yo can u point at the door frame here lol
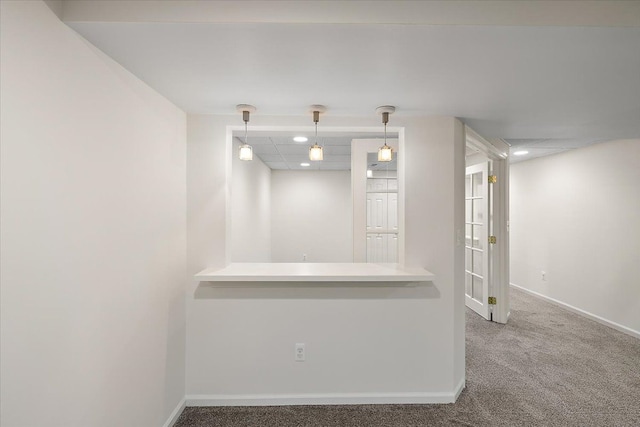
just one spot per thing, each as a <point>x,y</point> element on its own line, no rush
<point>497,151</point>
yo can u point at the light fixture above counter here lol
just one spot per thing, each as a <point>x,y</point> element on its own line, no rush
<point>285,147</point>
<point>316,151</point>
<point>385,153</point>
<point>246,151</point>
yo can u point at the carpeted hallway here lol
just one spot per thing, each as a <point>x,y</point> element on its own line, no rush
<point>547,367</point>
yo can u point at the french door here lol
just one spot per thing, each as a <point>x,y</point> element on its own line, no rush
<point>477,221</point>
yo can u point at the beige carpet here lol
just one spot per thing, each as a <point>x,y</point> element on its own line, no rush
<point>546,367</point>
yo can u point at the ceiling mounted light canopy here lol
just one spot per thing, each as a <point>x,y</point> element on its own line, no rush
<point>246,151</point>
<point>315,151</point>
<point>385,153</point>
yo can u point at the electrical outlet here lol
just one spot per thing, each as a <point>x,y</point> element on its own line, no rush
<point>543,276</point>
<point>300,355</point>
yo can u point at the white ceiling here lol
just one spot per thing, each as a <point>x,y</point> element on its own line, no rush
<point>549,88</point>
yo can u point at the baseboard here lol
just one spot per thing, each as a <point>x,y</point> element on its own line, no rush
<point>323,399</point>
<point>461,385</point>
<point>581,312</point>
<point>175,414</point>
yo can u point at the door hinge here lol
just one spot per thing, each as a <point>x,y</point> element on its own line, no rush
<point>493,179</point>
<point>493,240</point>
<point>492,300</point>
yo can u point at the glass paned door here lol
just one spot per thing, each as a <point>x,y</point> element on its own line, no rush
<point>476,239</point>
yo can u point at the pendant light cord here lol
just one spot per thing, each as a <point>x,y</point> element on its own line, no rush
<point>385,120</point>
<point>316,119</point>
<point>385,134</point>
<point>246,124</point>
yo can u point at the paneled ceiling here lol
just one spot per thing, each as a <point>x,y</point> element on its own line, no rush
<point>548,76</point>
<point>280,152</point>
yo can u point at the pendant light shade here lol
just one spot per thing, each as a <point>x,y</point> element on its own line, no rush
<point>246,151</point>
<point>315,151</point>
<point>385,153</point>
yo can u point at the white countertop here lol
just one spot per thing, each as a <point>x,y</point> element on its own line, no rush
<point>314,272</point>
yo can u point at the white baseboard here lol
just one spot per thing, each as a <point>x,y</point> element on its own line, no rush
<point>581,312</point>
<point>175,414</point>
<point>461,385</point>
<point>323,399</point>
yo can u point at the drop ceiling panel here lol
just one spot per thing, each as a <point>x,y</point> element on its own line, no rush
<point>337,150</point>
<point>344,141</point>
<point>300,149</point>
<point>271,158</point>
<point>264,149</point>
<point>296,166</point>
<point>337,159</point>
<point>293,158</point>
<point>288,140</point>
<point>335,166</point>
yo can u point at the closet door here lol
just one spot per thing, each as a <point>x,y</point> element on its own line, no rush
<point>392,248</point>
<point>377,207</point>
<point>392,212</point>
<point>370,247</point>
<point>376,247</point>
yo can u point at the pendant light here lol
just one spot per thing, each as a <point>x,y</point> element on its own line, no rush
<point>246,151</point>
<point>385,153</point>
<point>315,151</point>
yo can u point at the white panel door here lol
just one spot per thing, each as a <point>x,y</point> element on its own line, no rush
<point>370,247</point>
<point>477,239</point>
<point>392,248</point>
<point>392,211</point>
<point>377,206</point>
<point>376,247</point>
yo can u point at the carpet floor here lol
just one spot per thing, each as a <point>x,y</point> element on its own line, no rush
<point>546,367</point>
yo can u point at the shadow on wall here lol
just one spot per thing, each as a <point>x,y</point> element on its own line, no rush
<point>329,291</point>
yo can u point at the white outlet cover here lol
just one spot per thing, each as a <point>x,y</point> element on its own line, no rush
<point>299,355</point>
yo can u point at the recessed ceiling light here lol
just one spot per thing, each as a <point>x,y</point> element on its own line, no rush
<point>305,164</point>
<point>300,138</point>
<point>520,153</point>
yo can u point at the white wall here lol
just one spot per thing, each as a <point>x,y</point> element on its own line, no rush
<point>93,234</point>
<point>311,214</point>
<point>363,343</point>
<point>251,209</point>
<point>575,216</point>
